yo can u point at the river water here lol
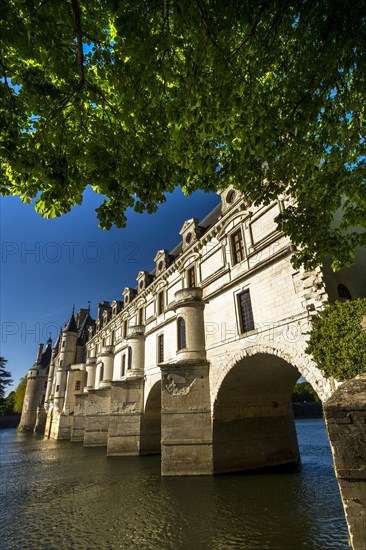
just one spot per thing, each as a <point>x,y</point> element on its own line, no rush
<point>58,495</point>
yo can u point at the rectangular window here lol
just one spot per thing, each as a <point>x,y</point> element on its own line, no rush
<point>140,319</point>
<point>123,365</point>
<point>77,385</point>
<point>191,277</point>
<point>124,329</point>
<point>45,385</point>
<point>245,312</point>
<point>61,362</point>
<point>237,247</point>
<point>63,344</point>
<point>160,302</point>
<point>160,348</point>
<point>129,358</point>
<point>57,388</point>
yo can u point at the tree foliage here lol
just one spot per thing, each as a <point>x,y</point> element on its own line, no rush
<point>5,376</point>
<point>134,98</point>
<point>19,394</point>
<point>7,404</point>
<point>337,341</point>
<point>304,393</point>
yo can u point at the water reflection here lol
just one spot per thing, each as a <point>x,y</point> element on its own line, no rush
<point>60,495</point>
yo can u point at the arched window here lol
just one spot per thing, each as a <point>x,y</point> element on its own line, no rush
<point>343,292</point>
<point>181,326</point>
<point>129,364</point>
<point>101,372</point>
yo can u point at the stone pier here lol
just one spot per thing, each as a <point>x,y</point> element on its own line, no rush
<point>345,415</point>
<point>125,418</point>
<point>186,438</point>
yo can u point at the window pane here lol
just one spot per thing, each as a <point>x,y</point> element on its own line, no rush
<point>237,247</point>
<point>161,348</point>
<point>191,278</point>
<point>181,333</point>
<point>246,313</point>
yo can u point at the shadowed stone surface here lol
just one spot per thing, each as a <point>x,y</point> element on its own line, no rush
<point>345,414</point>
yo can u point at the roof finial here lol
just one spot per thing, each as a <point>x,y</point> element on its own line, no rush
<point>89,306</point>
<point>73,309</point>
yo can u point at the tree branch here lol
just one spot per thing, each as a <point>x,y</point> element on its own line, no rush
<point>79,37</point>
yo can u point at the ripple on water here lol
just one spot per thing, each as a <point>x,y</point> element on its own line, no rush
<point>60,495</point>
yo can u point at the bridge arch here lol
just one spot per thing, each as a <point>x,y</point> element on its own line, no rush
<point>150,441</point>
<point>324,387</point>
<point>252,420</point>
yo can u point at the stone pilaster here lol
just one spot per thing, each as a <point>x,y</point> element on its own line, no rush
<point>186,433</point>
<point>97,409</point>
<point>40,420</point>
<point>345,415</point>
<point>79,418</point>
<point>127,397</point>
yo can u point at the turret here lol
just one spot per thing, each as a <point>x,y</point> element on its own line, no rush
<point>190,324</point>
<point>66,357</point>
<point>136,351</point>
<point>35,390</point>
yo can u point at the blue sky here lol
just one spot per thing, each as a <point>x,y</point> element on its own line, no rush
<point>49,265</point>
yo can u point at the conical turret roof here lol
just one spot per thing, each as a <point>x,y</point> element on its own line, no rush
<point>46,354</point>
<point>71,326</point>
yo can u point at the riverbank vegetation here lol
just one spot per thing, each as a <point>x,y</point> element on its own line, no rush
<point>337,341</point>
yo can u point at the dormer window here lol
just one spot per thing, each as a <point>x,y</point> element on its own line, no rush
<point>229,197</point>
<point>116,307</point>
<point>143,280</point>
<point>162,261</point>
<point>190,232</point>
<point>129,294</point>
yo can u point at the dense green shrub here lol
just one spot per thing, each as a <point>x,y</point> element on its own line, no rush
<point>337,341</point>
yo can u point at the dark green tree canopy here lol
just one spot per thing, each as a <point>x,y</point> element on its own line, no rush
<point>5,376</point>
<point>337,341</point>
<point>134,98</point>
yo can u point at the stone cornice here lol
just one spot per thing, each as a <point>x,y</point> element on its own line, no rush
<point>178,265</point>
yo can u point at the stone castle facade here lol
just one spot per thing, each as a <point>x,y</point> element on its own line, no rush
<point>199,360</point>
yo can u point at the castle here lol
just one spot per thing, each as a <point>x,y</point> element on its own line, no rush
<point>199,360</point>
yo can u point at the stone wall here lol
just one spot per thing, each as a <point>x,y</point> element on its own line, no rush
<point>345,415</point>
